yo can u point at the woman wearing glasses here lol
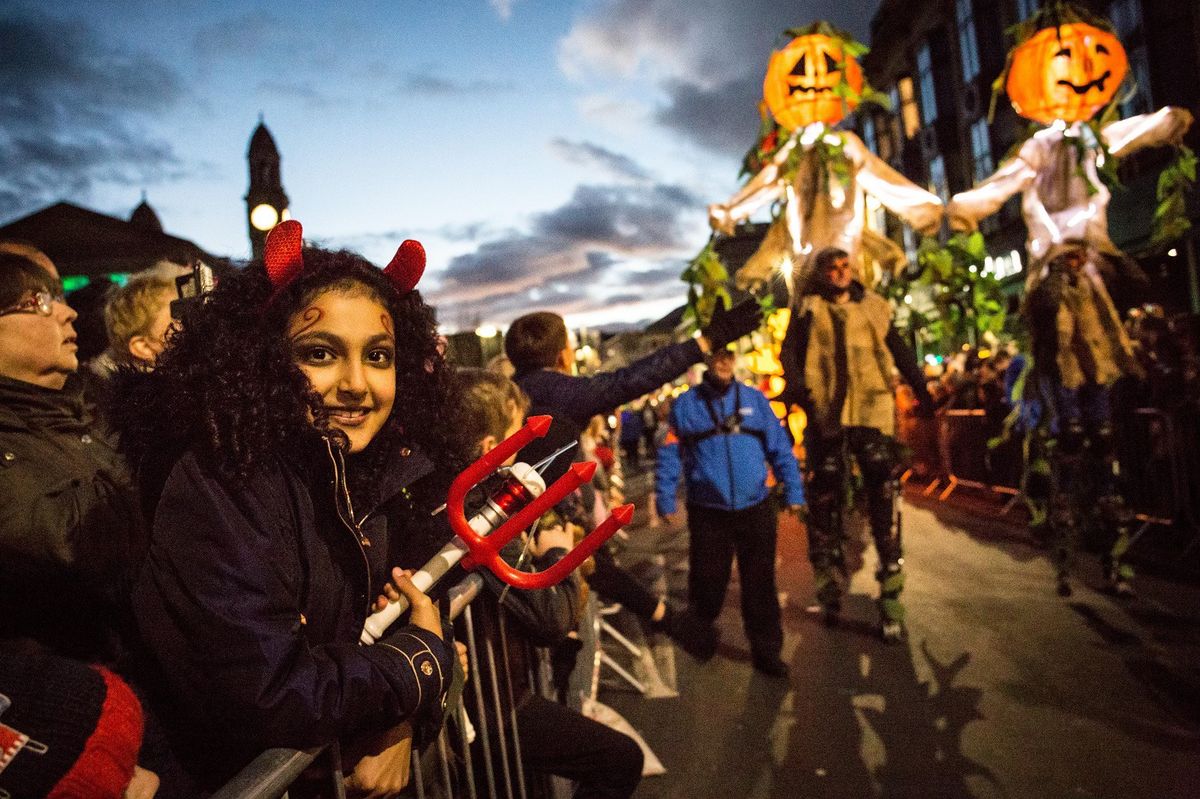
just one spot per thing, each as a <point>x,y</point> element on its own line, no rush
<point>69,519</point>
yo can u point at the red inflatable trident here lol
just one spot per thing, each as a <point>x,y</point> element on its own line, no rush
<point>485,551</point>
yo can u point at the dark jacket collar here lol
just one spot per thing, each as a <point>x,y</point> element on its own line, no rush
<point>24,406</point>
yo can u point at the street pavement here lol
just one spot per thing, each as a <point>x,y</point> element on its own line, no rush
<point>1001,689</point>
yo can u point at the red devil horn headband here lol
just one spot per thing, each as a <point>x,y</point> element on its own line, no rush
<point>407,266</point>
<point>282,254</point>
<point>284,259</point>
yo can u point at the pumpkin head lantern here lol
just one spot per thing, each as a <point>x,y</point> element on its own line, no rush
<point>1069,72</point>
<point>801,85</point>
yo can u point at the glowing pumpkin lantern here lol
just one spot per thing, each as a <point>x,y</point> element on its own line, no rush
<point>1070,73</point>
<point>802,79</point>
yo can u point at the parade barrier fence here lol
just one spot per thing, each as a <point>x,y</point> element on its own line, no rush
<point>1156,449</point>
<point>441,769</point>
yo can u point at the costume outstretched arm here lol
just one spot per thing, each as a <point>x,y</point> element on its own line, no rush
<point>761,189</point>
<point>1164,126</point>
<point>1015,175</point>
<point>919,208</point>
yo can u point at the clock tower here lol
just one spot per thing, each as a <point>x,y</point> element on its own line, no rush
<point>266,203</point>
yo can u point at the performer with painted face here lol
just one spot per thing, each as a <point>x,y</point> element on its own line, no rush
<point>841,354</point>
<point>1062,73</point>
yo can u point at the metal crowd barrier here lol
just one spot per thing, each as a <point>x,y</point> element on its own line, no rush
<point>442,770</point>
<point>967,460</point>
<point>1157,452</point>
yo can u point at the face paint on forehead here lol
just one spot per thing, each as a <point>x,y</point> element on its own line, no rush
<point>305,320</point>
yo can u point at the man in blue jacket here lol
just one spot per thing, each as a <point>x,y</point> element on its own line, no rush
<point>724,434</point>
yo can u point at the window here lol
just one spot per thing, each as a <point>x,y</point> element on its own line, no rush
<point>925,75</point>
<point>937,178</point>
<point>968,45</point>
<point>868,132</point>
<point>981,150</point>
<point>1127,19</point>
<point>910,244</point>
<point>910,117</point>
<point>1025,8</point>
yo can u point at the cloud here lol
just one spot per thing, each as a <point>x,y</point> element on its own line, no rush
<point>607,240</point>
<point>593,155</point>
<point>503,8</point>
<point>294,91</point>
<point>723,119</point>
<point>707,56</point>
<point>430,84</point>
<point>244,36</point>
<point>74,113</point>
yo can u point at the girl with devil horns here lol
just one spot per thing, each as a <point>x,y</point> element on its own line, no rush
<point>297,408</point>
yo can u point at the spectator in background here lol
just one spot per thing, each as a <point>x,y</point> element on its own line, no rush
<point>544,359</point>
<point>70,541</point>
<point>30,253</point>
<point>137,319</point>
<point>725,436</point>
<point>630,437</point>
<point>650,426</point>
<point>554,739</point>
<point>70,527</point>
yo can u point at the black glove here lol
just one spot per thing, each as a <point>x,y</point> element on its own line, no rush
<point>925,408</point>
<point>728,326</point>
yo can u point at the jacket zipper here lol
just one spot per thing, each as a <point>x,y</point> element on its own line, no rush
<point>341,490</point>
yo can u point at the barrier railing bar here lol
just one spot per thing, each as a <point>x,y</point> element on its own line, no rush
<point>501,735</point>
<point>481,709</point>
<point>269,775</point>
<point>512,712</point>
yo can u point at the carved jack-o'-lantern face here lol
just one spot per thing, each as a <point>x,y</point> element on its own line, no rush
<point>1068,73</point>
<point>801,78</point>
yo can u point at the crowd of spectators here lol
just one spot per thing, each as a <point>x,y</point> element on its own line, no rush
<point>186,519</point>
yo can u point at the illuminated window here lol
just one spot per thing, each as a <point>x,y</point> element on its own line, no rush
<point>968,45</point>
<point>1127,19</point>
<point>868,132</point>
<point>981,150</point>
<point>910,244</point>
<point>910,117</point>
<point>928,96</point>
<point>1025,8</point>
<point>937,178</point>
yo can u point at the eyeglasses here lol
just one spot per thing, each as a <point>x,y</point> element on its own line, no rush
<point>41,303</point>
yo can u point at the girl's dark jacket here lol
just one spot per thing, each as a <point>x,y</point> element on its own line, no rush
<point>251,602</point>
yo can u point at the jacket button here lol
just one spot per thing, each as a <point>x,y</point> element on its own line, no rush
<point>85,439</point>
<point>9,457</point>
<point>405,452</point>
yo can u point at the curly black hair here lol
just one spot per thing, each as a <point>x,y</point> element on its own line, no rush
<point>227,386</point>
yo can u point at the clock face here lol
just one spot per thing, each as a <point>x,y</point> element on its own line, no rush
<point>264,216</point>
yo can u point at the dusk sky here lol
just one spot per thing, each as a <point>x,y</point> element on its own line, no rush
<point>549,154</point>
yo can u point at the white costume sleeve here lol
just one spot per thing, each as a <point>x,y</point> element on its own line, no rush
<point>763,188</point>
<point>1164,126</point>
<point>1014,175</point>
<point>919,208</point>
